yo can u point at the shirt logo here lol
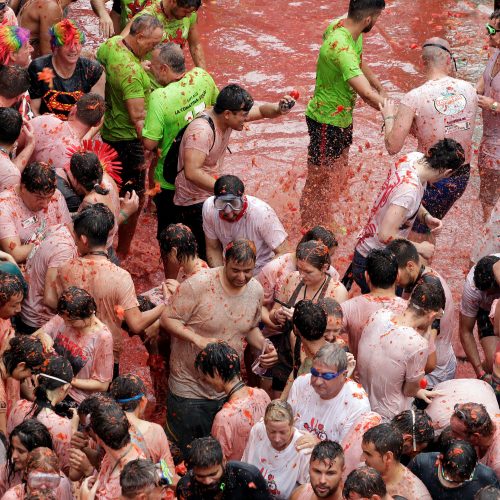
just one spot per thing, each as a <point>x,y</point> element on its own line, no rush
<point>316,428</point>
<point>450,104</point>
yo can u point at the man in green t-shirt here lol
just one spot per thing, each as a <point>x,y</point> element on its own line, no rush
<point>127,93</point>
<point>180,22</point>
<point>183,95</point>
<point>341,76</point>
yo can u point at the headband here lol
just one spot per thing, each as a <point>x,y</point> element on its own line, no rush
<point>53,378</point>
<point>128,400</point>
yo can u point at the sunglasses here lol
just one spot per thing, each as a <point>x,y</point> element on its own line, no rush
<point>491,30</point>
<point>326,375</point>
<point>446,478</point>
<point>233,203</point>
<point>442,47</point>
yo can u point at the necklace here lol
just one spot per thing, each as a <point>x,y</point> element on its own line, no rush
<point>317,291</point>
<point>120,458</point>
<point>236,387</point>
<point>99,252</point>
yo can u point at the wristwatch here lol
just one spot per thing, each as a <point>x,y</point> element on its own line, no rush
<point>494,106</point>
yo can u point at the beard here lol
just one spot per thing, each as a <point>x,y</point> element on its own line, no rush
<point>331,491</point>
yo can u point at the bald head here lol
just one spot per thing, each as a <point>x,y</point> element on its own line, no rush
<point>434,54</point>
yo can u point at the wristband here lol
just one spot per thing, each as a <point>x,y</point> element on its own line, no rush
<point>494,106</point>
<point>392,117</point>
<point>125,216</point>
<point>482,375</point>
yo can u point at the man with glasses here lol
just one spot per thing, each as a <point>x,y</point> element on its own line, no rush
<point>203,147</point>
<point>443,106</point>
<point>231,214</point>
<point>472,422</point>
<point>325,402</point>
<point>393,351</point>
<point>454,474</point>
<point>488,89</point>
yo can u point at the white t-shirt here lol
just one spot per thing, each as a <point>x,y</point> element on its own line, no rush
<point>402,188</point>
<point>327,418</point>
<point>283,470</point>
<point>259,224</point>
<point>388,356</point>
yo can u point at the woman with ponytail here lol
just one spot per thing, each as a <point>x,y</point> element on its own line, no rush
<point>52,385</point>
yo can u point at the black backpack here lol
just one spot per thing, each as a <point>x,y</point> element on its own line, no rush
<point>171,159</point>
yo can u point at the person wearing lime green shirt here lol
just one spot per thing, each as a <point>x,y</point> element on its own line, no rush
<point>341,76</point>
<point>127,93</point>
<point>183,95</point>
<point>179,20</point>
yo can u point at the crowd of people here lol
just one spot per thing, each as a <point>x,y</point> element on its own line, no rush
<point>272,375</point>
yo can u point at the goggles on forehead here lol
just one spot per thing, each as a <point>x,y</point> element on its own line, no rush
<point>442,47</point>
<point>233,202</point>
<point>491,30</point>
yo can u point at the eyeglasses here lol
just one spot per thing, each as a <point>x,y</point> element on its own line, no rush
<point>235,203</point>
<point>326,375</point>
<point>454,481</point>
<point>491,30</point>
<point>413,430</point>
<point>442,47</point>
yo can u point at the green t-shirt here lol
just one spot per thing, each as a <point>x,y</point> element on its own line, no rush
<point>172,107</point>
<point>339,60</point>
<point>125,79</point>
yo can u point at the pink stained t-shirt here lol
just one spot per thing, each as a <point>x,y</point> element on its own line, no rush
<point>410,487</point>
<point>59,427</point>
<point>259,224</point>
<point>489,152</point>
<point>200,137</point>
<point>10,175</point>
<point>9,18</point>
<point>443,108</point>
<point>111,286</point>
<point>154,443</point>
<point>16,219</point>
<point>233,422</point>
<point>90,354</point>
<point>461,390</point>
<point>388,356</point>
<point>351,443</point>
<point>357,312</point>
<point>56,249</point>
<point>203,305</point>
<point>402,188</point>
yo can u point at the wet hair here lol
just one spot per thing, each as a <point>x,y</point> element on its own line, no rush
<point>87,170</point>
<point>382,268</point>
<point>58,367</point>
<point>233,98</point>
<point>427,297</point>
<point>219,358</point>
<point>366,482</point>
<point>489,492</point>
<point>240,251</point>
<point>279,411</point>
<point>65,33</point>
<point>14,81</point>
<point>359,9</point>
<point>419,425</point>
<point>187,4</point>
<point>11,123</point>
<point>77,303</point>
<point>144,23</point>
<point>110,424</point>
<point>229,184</point>
<point>181,238</point>
<point>204,452</point>
<point>322,234</point>
<point>90,109</point>
<point>10,285</point>
<point>332,355</point>
<point>495,14</point>
<point>331,307</point>
<point>32,434</point>
<point>127,387</point>
<point>484,277</point>
<point>39,178</point>
<point>445,154</point>
<point>172,55</point>
<point>459,460</point>
<point>137,476</point>
<point>385,438</point>
<point>90,403</point>
<point>404,251</point>
<point>310,319</point>
<point>476,418</point>
<point>95,222</point>
<point>327,451</point>
<point>313,252</point>
<point>42,459</point>
<point>23,349</point>
<point>445,438</point>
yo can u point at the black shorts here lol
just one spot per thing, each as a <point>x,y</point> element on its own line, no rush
<point>165,209</point>
<point>484,324</point>
<point>326,142</point>
<point>117,6</point>
<point>133,173</point>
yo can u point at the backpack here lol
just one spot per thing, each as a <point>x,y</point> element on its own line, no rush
<point>171,159</point>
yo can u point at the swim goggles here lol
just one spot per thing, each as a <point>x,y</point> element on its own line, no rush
<point>326,375</point>
<point>442,47</point>
<point>231,201</point>
<point>491,30</point>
